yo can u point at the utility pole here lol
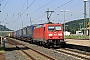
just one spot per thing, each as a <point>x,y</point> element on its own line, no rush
<point>1,31</point>
<point>22,25</point>
<point>0,5</point>
<point>49,15</point>
<point>85,22</point>
<point>30,21</point>
<point>64,21</point>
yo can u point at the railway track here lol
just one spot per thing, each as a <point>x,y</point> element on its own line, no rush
<point>74,53</point>
<point>27,53</point>
<point>66,51</point>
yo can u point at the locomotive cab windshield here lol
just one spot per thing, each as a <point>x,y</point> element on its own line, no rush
<point>54,28</point>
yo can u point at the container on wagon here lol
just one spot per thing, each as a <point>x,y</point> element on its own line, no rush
<point>9,34</point>
<point>30,30</point>
<point>20,33</point>
<point>14,34</point>
<point>17,33</point>
<point>25,32</point>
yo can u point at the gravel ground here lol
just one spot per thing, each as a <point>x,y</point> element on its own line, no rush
<point>12,53</point>
<point>52,53</point>
<point>2,56</point>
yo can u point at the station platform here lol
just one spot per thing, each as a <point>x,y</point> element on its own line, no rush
<point>78,42</point>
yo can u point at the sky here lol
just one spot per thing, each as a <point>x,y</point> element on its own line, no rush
<point>16,14</point>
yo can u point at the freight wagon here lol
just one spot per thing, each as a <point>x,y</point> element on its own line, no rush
<point>30,30</point>
<point>26,33</point>
<point>12,34</point>
<point>9,34</point>
<point>20,33</point>
<point>17,34</point>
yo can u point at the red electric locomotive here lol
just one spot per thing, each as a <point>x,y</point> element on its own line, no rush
<point>49,34</point>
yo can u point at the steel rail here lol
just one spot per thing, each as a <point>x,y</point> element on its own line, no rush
<point>85,53</point>
<point>48,57</point>
<point>14,43</point>
<point>68,53</point>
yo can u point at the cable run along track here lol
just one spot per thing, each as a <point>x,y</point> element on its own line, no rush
<point>27,53</point>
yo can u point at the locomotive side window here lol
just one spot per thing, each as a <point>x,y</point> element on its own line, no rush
<point>39,26</point>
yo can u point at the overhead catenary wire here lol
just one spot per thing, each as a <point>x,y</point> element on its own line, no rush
<point>20,13</point>
<point>43,6</point>
<point>5,4</point>
<point>36,9</point>
<point>58,7</point>
<point>63,4</point>
<point>50,3</point>
<point>23,5</point>
<point>6,17</point>
<point>27,9</point>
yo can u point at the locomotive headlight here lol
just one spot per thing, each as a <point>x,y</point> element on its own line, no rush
<point>59,34</point>
<point>50,35</point>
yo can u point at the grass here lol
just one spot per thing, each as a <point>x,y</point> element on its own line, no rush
<point>3,51</point>
<point>75,37</point>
